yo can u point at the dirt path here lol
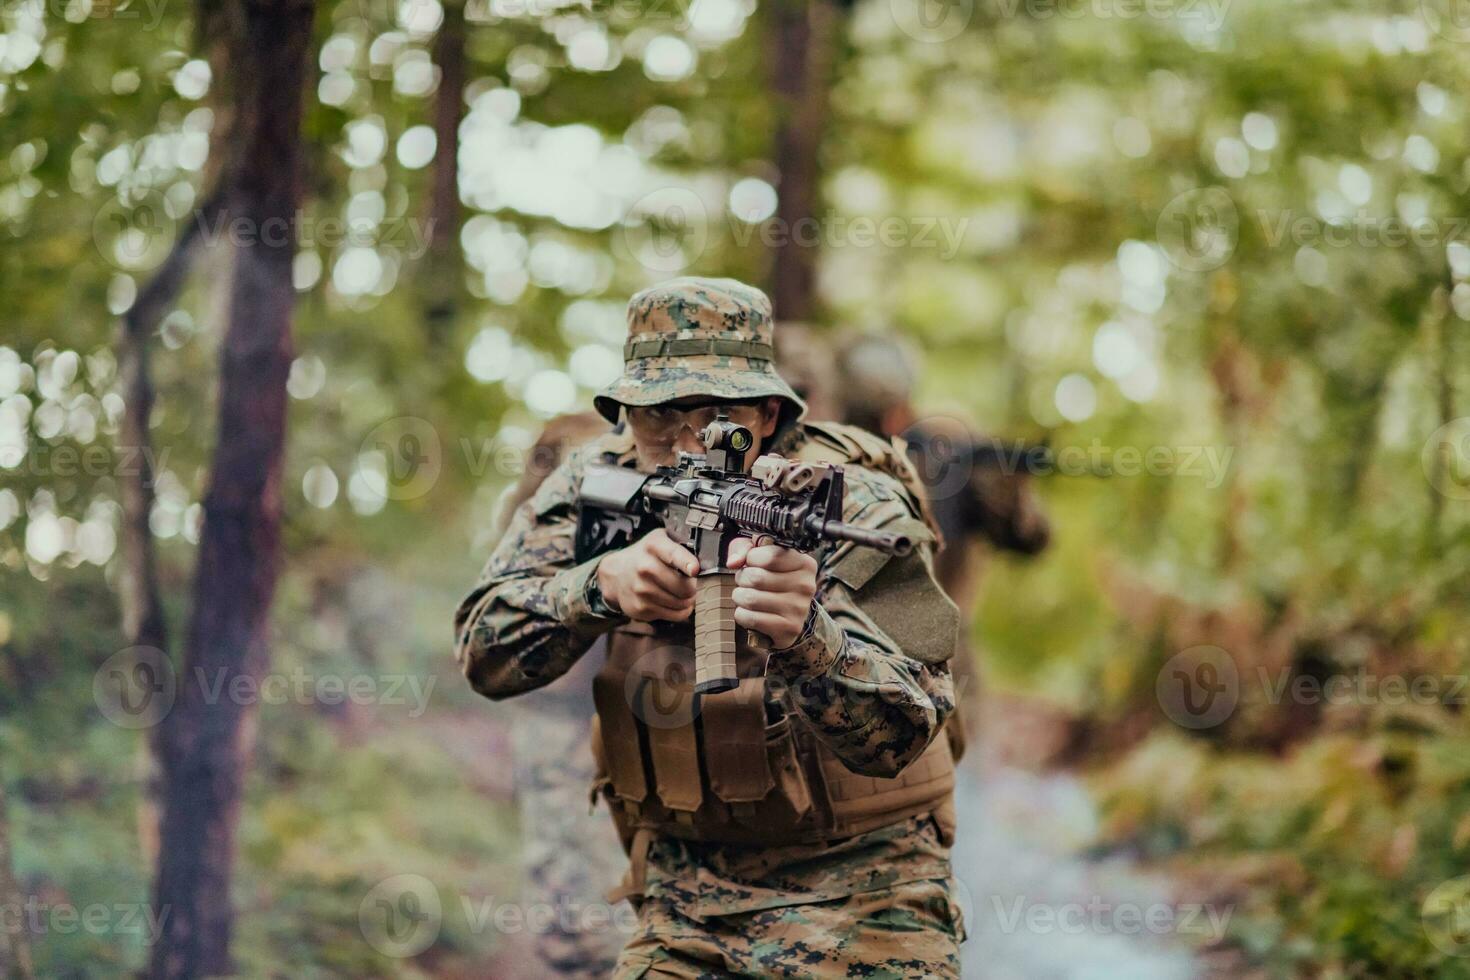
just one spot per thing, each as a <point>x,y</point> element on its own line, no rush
<point>1034,909</point>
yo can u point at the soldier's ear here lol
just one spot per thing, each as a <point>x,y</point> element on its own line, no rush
<point>770,414</point>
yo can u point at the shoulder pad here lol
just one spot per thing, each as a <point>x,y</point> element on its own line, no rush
<point>833,442</point>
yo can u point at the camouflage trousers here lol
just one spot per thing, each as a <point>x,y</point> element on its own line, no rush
<point>906,930</point>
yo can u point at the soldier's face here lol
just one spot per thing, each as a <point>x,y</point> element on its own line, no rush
<point>661,432</point>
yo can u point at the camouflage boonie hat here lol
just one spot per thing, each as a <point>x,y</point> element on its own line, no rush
<point>692,336</point>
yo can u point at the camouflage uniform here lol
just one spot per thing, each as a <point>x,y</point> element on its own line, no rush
<point>877,903</point>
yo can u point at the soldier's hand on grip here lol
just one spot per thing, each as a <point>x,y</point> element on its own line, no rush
<point>650,579</point>
<point>774,588</point>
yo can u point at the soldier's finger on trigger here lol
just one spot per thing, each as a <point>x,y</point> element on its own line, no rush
<point>676,556</point>
<point>652,594</point>
<point>739,549</point>
<point>670,580</point>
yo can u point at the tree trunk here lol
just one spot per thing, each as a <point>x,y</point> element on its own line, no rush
<point>15,949</point>
<point>144,623</point>
<point>802,49</point>
<point>204,745</point>
<point>445,274</point>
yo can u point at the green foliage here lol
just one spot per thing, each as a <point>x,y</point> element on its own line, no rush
<point>1316,360</point>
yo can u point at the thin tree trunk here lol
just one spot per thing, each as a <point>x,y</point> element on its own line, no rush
<point>15,949</point>
<point>441,303</point>
<point>144,623</point>
<point>802,50</point>
<point>1445,404</point>
<point>205,745</point>
<point>142,605</point>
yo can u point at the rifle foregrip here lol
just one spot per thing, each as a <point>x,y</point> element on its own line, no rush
<point>714,633</point>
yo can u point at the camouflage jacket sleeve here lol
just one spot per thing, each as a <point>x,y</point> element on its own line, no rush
<point>870,672</point>
<point>530,617</point>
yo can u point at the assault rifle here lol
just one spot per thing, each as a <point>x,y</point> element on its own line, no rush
<point>704,502</point>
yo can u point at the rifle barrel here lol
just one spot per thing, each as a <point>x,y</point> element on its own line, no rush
<point>893,544</point>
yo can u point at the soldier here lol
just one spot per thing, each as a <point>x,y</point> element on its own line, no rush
<point>974,503</point>
<point>800,823</point>
<point>566,860</point>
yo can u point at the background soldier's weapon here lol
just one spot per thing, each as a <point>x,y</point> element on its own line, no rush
<point>936,454</point>
<point>704,502</point>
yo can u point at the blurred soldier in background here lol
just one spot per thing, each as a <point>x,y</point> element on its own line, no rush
<point>806,361</point>
<point>571,855</point>
<point>980,500</point>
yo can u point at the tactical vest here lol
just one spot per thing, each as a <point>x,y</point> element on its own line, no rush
<point>736,767</point>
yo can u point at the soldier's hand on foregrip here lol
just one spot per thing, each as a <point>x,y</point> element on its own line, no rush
<point>774,588</point>
<point>650,579</point>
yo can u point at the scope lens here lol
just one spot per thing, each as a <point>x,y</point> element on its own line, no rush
<point>740,439</point>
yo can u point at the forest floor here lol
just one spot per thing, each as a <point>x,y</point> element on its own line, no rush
<point>1036,907</point>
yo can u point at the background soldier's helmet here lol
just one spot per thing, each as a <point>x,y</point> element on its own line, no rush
<point>877,373</point>
<point>805,358</point>
<point>689,336</point>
